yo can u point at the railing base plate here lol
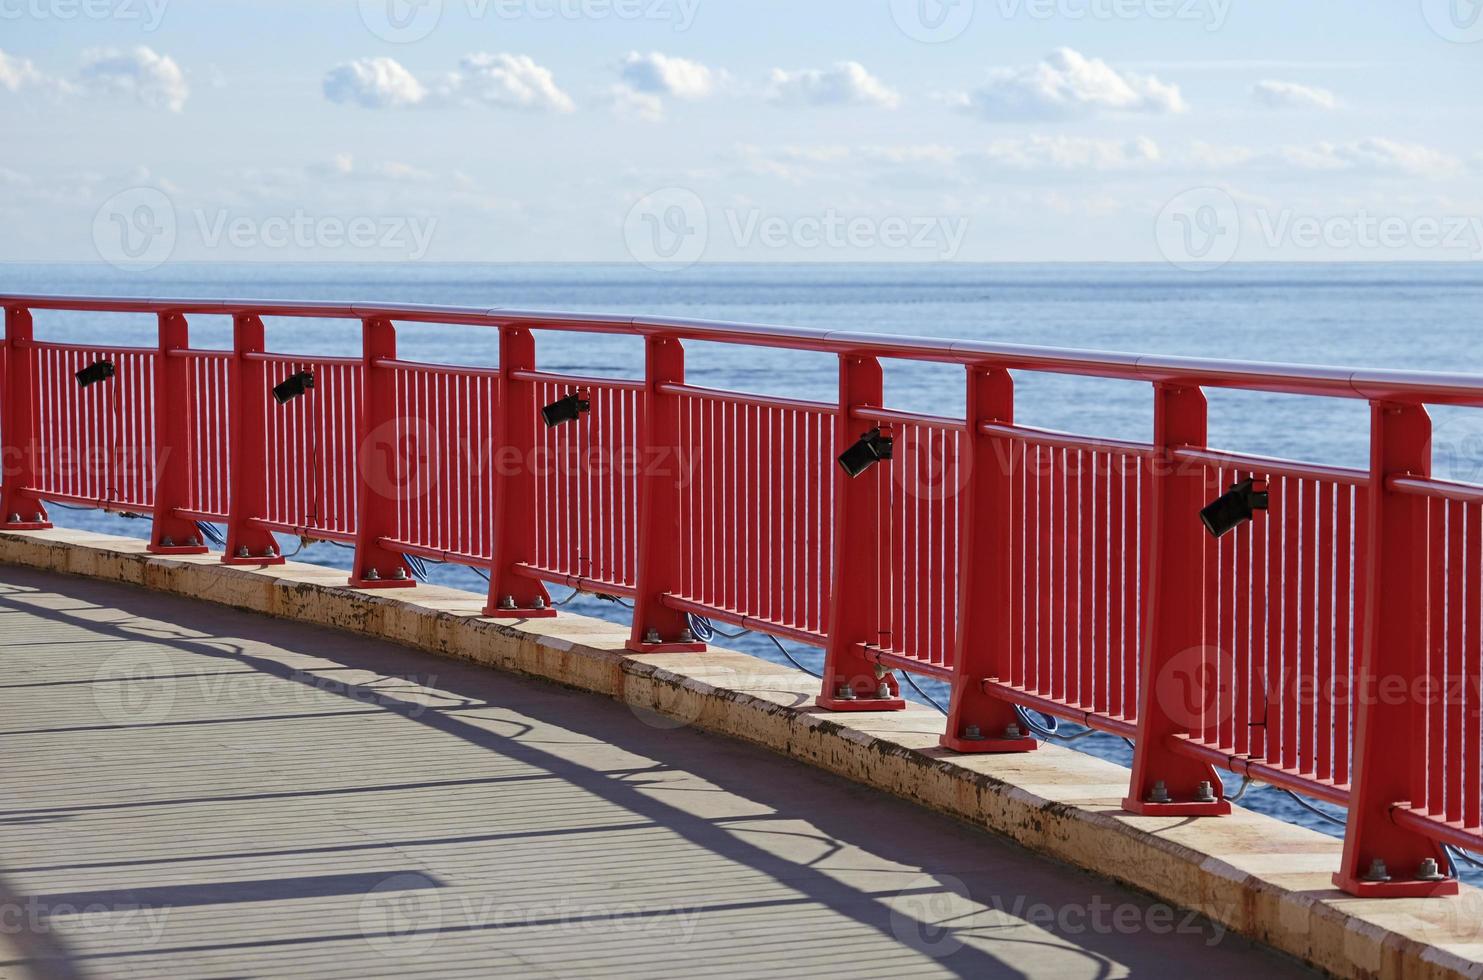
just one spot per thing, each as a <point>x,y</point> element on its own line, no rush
<point>1187,809</point>
<point>666,647</point>
<point>988,745</point>
<point>497,613</point>
<point>382,583</point>
<point>183,550</point>
<point>1395,889</point>
<point>862,704</point>
<point>27,526</point>
<point>259,560</point>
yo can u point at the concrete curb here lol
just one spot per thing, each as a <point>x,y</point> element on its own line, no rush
<point>1258,876</point>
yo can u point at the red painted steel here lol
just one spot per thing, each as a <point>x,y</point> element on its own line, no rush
<point>1382,857</point>
<point>172,533</point>
<point>1179,671</point>
<point>1053,571</point>
<point>436,458</point>
<point>856,676</point>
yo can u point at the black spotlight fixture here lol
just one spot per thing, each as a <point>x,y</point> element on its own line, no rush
<point>871,448</point>
<point>295,386</point>
<point>1234,508</point>
<point>567,409</point>
<point>95,372</point>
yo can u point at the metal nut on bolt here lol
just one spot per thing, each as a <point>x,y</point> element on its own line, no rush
<point>1013,731</point>
<point>372,575</point>
<point>686,636</point>
<point>167,542</point>
<point>538,603</point>
<point>972,733</point>
<point>15,518</point>
<point>1428,871</point>
<point>883,691</point>
<point>845,693</point>
<point>1205,792</point>
<point>400,574</point>
<point>507,602</point>
<point>652,636</point>
<point>1159,793</point>
<point>242,552</point>
<point>272,552</point>
<point>1378,872</point>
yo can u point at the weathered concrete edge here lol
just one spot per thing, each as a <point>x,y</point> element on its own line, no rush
<point>1070,813</point>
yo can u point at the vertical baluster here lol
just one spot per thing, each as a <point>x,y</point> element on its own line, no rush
<point>1387,743</point>
<point>380,478</point>
<point>985,640</point>
<point>174,418</point>
<point>511,594</point>
<point>1468,673</point>
<point>247,542</point>
<point>1175,681</point>
<point>20,508</point>
<point>656,627</point>
<point>856,574</point>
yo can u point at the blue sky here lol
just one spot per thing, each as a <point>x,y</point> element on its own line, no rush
<point>673,131</point>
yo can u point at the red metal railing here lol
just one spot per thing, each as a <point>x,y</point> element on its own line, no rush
<point>1332,645</point>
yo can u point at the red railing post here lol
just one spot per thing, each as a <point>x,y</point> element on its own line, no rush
<point>854,601</point>
<point>247,386</point>
<point>377,459</point>
<point>1177,678</point>
<point>978,721</point>
<point>511,594</point>
<point>1381,859</point>
<point>656,627</point>
<point>173,535</point>
<point>20,509</point>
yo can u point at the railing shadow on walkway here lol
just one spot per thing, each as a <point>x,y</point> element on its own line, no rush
<point>995,873</point>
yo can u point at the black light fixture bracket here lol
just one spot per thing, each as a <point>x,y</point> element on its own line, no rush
<point>1236,506</point>
<point>293,387</point>
<point>567,409</point>
<point>95,372</point>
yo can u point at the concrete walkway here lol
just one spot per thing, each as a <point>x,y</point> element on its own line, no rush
<point>193,792</point>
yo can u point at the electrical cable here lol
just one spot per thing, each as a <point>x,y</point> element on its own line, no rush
<point>1311,808</point>
<point>922,693</point>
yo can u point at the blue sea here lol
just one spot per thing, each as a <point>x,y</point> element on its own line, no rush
<point>1407,316</point>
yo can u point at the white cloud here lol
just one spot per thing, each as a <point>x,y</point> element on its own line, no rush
<point>1291,95</point>
<point>1374,156</point>
<point>628,104</point>
<point>660,74</point>
<point>344,167</point>
<point>1065,85</point>
<point>17,73</point>
<point>152,79</point>
<point>1073,153</point>
<point>509,81</point>
<point>846,83</point>
<point>375,83</point>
